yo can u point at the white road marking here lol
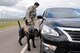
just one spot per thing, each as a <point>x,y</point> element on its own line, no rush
<point>24,49</point>
<point>8,29</point>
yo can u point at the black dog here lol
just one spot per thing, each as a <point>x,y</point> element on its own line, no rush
<point>30,35</point>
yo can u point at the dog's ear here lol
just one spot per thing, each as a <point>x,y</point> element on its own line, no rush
<point>24,18</point>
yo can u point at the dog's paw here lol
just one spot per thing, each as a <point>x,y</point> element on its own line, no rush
<point>34,46</point>
<point>21,44</point>
<point>29,49</point>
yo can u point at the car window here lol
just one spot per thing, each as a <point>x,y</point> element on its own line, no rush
<point>77,12</point>
<point>62,13</point>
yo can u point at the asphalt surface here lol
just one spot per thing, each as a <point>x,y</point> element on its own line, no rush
<point>35,50</point>
<point>9,42</point>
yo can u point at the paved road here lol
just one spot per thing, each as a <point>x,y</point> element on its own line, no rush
<point>9,42</point>
<point>35,50</point>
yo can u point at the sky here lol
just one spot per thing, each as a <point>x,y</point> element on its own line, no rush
<point>18,7</point>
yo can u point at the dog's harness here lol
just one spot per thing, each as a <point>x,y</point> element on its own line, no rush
<point>30,28</point>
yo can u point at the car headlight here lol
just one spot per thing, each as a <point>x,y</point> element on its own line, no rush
<point>48,46</point>
<point>49,31</point>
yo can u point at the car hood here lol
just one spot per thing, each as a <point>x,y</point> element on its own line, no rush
<point>69,22</point>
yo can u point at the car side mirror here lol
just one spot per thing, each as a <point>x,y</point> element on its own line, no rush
<point>40,17</point>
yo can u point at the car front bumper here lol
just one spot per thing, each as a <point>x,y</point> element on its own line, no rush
<point>62,46</point>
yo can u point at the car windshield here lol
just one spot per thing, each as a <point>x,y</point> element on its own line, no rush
<point>62,13</point>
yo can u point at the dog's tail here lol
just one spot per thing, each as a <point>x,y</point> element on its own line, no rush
<point>19,24</point>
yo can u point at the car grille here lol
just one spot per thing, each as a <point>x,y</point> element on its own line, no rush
<point>75,35</point>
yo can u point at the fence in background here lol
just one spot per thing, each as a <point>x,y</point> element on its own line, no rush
<point>8,22</point>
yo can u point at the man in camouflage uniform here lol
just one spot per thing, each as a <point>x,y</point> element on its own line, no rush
<point>30,16</point>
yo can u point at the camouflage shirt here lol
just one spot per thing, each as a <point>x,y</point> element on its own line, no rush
<point>30,13</point>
